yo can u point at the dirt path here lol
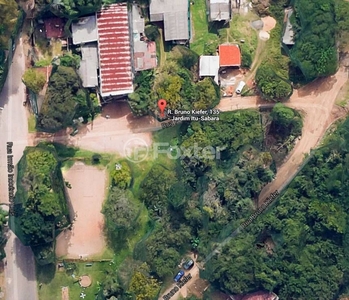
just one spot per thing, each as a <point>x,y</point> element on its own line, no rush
<point>316,101</point>
<point>86,196</point>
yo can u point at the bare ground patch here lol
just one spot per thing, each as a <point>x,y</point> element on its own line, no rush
<point>86,196</point>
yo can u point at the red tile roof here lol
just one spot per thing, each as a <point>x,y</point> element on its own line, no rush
<point>54,28</point>
<point>114,50</point>
<point>229,56</point>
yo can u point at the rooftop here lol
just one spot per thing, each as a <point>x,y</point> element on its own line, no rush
<point>209,66</point>
<point>114,50</point>
<point>89,65</point>
<point>144,51</point>
<point>287,38</point>
<point>220,10</point>
<point>229,56</point>
<point>85,30</point>
<point>175,15</point>
<point>54,28</point>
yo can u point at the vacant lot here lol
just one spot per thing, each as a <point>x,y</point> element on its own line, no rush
<point>86,196</point>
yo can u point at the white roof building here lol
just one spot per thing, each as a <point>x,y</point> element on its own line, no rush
<point>85,30</point>
<point>220,10</point>
<point>209,66</point>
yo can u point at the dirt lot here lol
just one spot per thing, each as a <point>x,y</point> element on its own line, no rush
<point>86,196</point>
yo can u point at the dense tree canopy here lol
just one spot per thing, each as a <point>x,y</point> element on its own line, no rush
<point>9,12</point>
<point>285,121</point>
<point>315,51</point>
<point>299,249</point>
<point>271,86</point>
<point>41,209</point>
<point>64,100</point>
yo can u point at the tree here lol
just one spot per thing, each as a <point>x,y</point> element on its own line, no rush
<point>142,285</point>
<point>120,216</point>
<point>151,32</point>
<point>34,80</point>
<point>286,121</point>
<point>121,175</point>
<point>271,85</point>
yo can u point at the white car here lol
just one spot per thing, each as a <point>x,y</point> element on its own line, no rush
<point>240,87</point>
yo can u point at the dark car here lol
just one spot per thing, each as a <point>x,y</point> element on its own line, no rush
<point>188,264</point>
<point>179,276</point>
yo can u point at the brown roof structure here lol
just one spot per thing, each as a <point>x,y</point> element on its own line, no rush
<point>229,56</point>
<point>114,50</point>
<point>54,28</point>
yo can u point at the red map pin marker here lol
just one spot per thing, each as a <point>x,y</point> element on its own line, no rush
<point>162,105</point>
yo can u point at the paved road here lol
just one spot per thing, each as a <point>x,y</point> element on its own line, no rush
<point>20,269</point>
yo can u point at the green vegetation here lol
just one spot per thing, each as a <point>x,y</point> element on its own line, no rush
<point>9,14</point>
<point>121,176</point>
<point>271,86</point>
<point>303,240</point>
<point>240,29</point>
<point>176,81</point>
<point>65,100</point>
<point>34,80</point>
<point>121,215</point>
<point>315,51</point>
<point>205,41</point>
<point>41,210</point>
<point>3,239</point>
<point>341,11</point>
<point>151,32</point>
<point>142,285</point>
<point>192,200</point>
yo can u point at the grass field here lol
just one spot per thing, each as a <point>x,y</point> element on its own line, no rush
<point>51,281</point>
<point>31,124</point>
<point>203,33</point>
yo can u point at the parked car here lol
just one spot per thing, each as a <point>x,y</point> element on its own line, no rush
<point>187,265</point>
<point>240,87</point>
<point>179,276</point>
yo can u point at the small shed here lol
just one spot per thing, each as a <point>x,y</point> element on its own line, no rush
<point>220,10</point>
<point>209,66</point>
<point>229,55</point>
<point>54,28</point>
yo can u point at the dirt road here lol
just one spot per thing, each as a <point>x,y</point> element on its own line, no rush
<point>316,102</point>
<point>106,135</point>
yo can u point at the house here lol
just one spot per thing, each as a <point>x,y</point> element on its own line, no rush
<point>176,17</point>
<point>144,51</point>
<point>220,10</point>
<point>89,65</point>
<point>115,69</point>
<point>54,28</point>
<point>209,66</point>
<point>229,56</point>
<point>85,30</point>
<point>287,38</point>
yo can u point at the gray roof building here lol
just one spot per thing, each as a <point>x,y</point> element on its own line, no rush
<point>209,66</point>
<point>287,38</point>
<point>89,65</point>
<point>175,15</point>
<point>85,30</point>
<point>220,10</point>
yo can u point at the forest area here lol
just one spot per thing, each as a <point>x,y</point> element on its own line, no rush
<point>299,249</point>
<point>192,202</point>
<point>40,210</point>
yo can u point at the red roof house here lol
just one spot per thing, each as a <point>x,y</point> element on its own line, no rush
<point>54,28</point>
<point>229,56</point>
<point>114,50</point>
